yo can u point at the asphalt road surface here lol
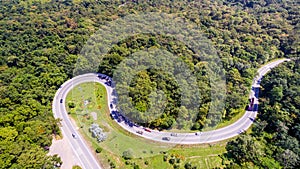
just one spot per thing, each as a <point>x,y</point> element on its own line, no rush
<point>87,159</point>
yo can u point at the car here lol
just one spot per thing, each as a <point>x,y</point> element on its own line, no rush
<point>101,76</point>
<point>112,116</point>
<point>111,106</point>
<point>108,83</point>
<point>166,138</point>
<point>174,134</point>
<point>139,132</point>
<point>74,136</point>
<point>130,124</point>
<point>148,130</point>
<point>61,100</point>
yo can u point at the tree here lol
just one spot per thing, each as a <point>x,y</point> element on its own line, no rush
<point>288,159</point>
<point>277,93</point>
<point>76,167</point>
<point>244,149</point>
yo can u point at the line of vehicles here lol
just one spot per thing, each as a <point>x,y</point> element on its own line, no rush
<point>107,78</point>
<point>116,115</point>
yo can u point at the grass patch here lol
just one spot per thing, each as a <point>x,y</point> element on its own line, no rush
<point>202,156</point>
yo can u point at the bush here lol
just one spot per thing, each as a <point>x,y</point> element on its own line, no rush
<point>146,162</point>
<point>99,150</point>
<point>188,165</point>
<point>128,154</point>
<point>172,161</point>
<point>112,165</point>
<point>176,166</point>
<point>127,162</point>
<point>71,105</point>
<point>135,166</point>
<point>165,157</point>
<point>76,167</point>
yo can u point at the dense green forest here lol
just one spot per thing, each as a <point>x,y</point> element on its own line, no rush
<point>244,41</point>
<point>40,42</point>
<point>274,140</point>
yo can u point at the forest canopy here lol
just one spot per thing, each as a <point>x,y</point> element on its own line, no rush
<point>274,141</point>
<point>40,42</point>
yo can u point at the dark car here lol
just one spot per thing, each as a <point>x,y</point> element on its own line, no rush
<point>101,76</point>
<point>108,83</point>
<point>112,116</point>
<point>174,134</point>
<point>73,135</point>
<point>61,100</point>
<point>140,132</point>
<point>111,106</point>
<point>130,124</point>
<point>166,138</point>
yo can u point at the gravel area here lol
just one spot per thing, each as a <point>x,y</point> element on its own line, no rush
<point>66,153</point>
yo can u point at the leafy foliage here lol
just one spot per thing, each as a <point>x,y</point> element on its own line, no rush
<point>41,40</point>
<point>274,141</point>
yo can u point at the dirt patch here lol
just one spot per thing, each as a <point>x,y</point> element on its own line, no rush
<point>94,115</point>
<point>66,153</point>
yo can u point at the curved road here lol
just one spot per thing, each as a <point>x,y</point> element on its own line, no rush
<point>87,159</point>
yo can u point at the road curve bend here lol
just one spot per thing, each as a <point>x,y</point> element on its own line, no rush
<point>85,155</point>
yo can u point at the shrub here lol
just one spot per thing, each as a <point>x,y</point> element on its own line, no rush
<point>176,166</point>
<point>71,105</point>
<point>188,165</point>
<point>112,165</point>
<point>99,150</point>
<point>172,161</point>
<point>135,166</point>
<point>165,157</point>
<point>128,154</point>
<point>127,162</point>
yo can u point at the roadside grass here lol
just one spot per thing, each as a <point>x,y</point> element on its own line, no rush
<point>92,97</point>
<point>202,156</point>
<point>225,123</point>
